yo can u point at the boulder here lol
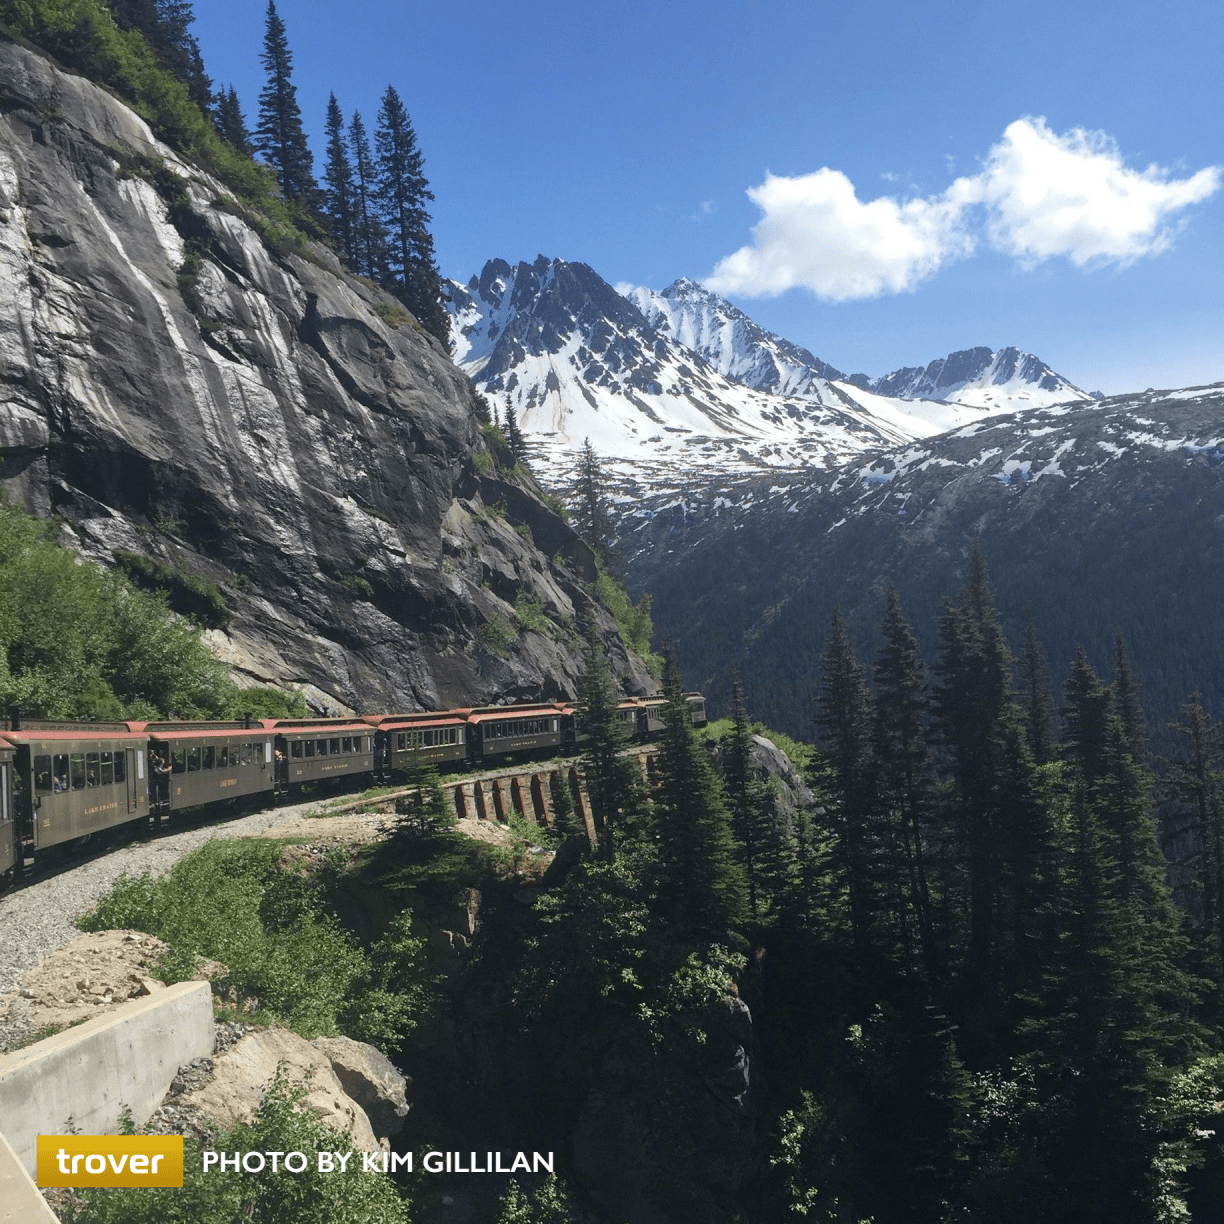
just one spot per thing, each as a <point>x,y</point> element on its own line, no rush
<point>371,1079</point>
<point>240,1077</point>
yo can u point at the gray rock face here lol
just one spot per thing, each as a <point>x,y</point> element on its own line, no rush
<point>370,1079</point>
<point>292,436</point>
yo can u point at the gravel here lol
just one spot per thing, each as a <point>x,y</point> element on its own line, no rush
<point>38,918</point>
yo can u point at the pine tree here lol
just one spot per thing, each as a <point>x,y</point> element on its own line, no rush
<point>401,190</point>
<point>231,122</point>
<point>1195,778</point>
<point>338,178</point>
<point>1126,698</point>
<point>611,777</point>
<point>843,723</point>
<point>701,884</point>
<point>591,520</point>
<point>902,777</point>
<point>369,237</point>
<point>279,135</point>
<point>514,435</point>
<point>166,26</point>
<point>1035,694</point>
<point>753,819</point>
<point>972,705</point>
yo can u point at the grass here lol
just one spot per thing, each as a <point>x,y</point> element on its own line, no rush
<point>288,961</point>
<point>800,753</point>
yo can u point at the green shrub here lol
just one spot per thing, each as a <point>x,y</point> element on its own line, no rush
<point>495,635</point>
<point>394,315</point>
<point>217,1197</point>
<point>634,621</point>
<point>288,961</point>
<point>529,614</point>
<point>358,587</point>
<point>185,591</point>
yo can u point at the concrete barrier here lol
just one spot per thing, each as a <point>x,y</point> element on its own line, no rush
<point>89,1073</point>
<point>20,1200</point>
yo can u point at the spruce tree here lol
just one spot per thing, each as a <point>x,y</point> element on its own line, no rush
<point>702,885</point>
<point>514,435</point>
<point>1035,694</point>
<point>279,135</point>
<point>338,180</point>
<point>753,819</point>
<point>231,122</point>
<point>971,705</point>
<point>843,723</point>
<point>902,775</point>
<point>1126,698</point>
<point>1195,778</point>
<point>369,237</point>
<point>166,26</point>
<point>401,190</point>
<point>591,519</point>
<point>611,777</point>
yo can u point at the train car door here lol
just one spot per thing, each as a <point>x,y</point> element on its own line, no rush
<point>133,795</point>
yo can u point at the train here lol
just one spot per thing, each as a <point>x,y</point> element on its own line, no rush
<point>63,782</point>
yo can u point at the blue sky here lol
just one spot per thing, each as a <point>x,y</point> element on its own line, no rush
<point>628,136</point>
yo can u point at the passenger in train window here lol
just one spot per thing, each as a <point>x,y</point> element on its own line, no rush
<point>42,775</point>
<point>295,750</point>
<point>223,757</point>
<point>193,760</point>
<point>210,757</point>
<point>60,771</point>
<point>92,770</point>
<point>178,760</point>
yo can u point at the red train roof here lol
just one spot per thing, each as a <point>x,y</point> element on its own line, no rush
<point>317,730</point>
<point>402,724</point>
<point>511,712</point>
<point>29,737</point>
<point>166,736</point>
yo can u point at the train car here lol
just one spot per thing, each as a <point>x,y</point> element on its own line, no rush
<point>501,730</point>
<point>71,780</point>
<point>194,764</point>
<point>697,708</point>
<point>10,842</point>
<point>439,738</point>
<point>318,749</point>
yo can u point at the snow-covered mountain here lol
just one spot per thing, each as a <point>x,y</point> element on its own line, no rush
<point>674,389</point>
<point>730,341</point>
<point>1005,381</point>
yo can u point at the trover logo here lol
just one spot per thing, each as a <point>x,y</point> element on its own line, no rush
<point>110,1160</point>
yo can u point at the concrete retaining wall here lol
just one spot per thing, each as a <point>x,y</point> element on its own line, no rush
<point>20,1201</point>
<point>89,1073</point>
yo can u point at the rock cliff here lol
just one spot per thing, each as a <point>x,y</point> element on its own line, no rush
<point>182,381</point>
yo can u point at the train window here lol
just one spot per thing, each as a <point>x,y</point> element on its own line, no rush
<point>401,740</point>
<point>295,750</point>
<point>178,760</point>
<point>76,761</point>
<point>120,768</point>
<point>223,757</point>
<point>335,747</point>
<point>348,744</point>
<point>210,757</point>
<point>92,769</point>
<point>321,747</point>
<point>59,771</point>
<point>193,759</point>
<point>310,747</point>
<point>108,769</point>
<point>246,754</point>
<point>42,775</point>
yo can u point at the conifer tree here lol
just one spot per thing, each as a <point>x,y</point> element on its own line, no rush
<point>902,778</point>
<point>1035,695</point>
<point>279,135</point>
<point>1126,698</point>
<point>338,180</point>
<point>702,884</point>
<point>753,818</point>
<point>231,122</point>
<point>166,26</point>
<point>971,705</point>
<point>369,238</point>
<point>514,435</point>
<point>401,190</point>
<point>611,777</point>
<point>591,520</point>
<point>1195,779</point>
<point>843,722</point>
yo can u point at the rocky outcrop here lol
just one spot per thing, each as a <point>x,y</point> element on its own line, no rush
<point>180,382</point>
<point>229,1087</point>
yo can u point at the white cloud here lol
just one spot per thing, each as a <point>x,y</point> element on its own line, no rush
<point>1071,195</point>
<point>817,232</point>
<point>1042,196</point>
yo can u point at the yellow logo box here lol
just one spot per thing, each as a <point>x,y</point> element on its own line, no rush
<point>110,1160</point>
